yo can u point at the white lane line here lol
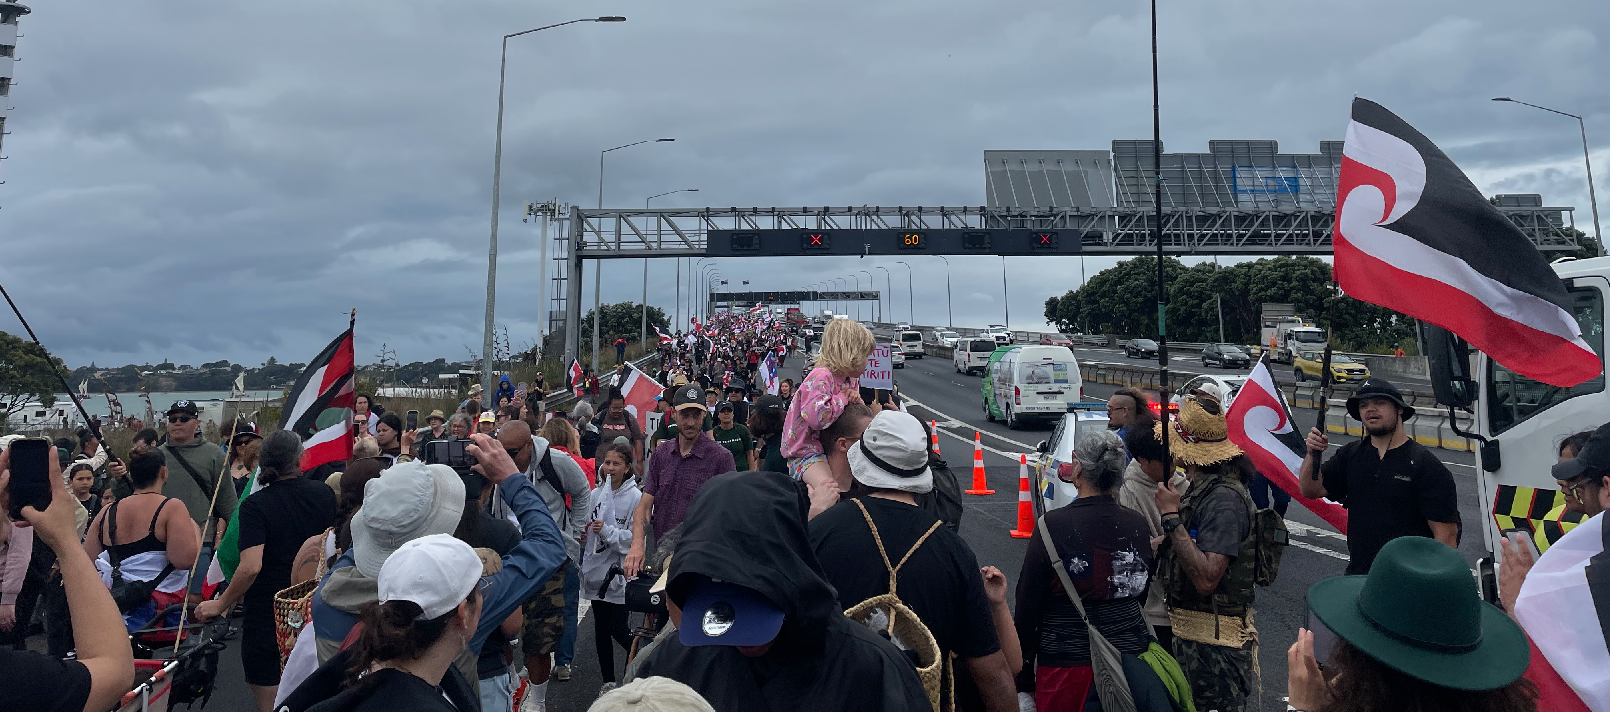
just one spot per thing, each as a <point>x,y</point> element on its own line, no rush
<point>1318,549</point>
<point>1027,448</point>
<point>1307,530</point>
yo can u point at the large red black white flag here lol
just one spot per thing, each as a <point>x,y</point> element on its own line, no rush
<point>319,406</point>
<point>1260,423</point>
<point>1413,234</point>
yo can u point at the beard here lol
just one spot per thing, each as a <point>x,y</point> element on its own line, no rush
<point>1381,430</point>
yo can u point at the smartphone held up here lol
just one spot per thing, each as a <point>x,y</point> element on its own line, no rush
<point>30,475</point>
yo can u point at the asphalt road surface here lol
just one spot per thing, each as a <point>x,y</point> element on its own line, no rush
<point>937,393</point>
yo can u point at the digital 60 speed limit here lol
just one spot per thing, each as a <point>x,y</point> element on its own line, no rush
<point>913,241</point>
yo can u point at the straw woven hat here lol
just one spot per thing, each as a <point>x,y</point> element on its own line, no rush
<point>1198,437</point>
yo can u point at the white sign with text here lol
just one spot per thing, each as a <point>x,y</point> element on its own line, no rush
<point>879,369</point>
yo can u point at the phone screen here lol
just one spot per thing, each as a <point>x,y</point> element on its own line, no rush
<point>1523,538</point>
<point>30,475</point>
<point>413,420</point>
<point>1324,639</point>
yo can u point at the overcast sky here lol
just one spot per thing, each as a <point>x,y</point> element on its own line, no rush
<point>196,180</point>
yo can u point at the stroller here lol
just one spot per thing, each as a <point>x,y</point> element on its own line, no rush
<point>174,665</point>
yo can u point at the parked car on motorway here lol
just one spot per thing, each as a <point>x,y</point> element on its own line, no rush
<point>943,337</point>
<point>1225,356</point>
<point>1000,333</point>
<point>1026,383</point>
<point>1140,348</point>
<point>910,342</point>
<point>897,358</point>
<point>902,326</point>
<point>1343,369</point>
<point>972,355</point>
<point>1226,386</point>
<point>1055,340</point>
<point>1054,467</point>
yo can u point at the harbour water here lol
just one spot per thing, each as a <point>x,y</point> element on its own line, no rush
<point>134,404</point>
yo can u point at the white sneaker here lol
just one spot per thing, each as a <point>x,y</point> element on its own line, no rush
<point>606,688</point>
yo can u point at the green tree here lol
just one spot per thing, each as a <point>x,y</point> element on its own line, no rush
<point>27,374</point>
<point>623,319</point>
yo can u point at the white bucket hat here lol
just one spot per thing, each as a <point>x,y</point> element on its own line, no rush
<point>407,501</point>
<point>892,454</point>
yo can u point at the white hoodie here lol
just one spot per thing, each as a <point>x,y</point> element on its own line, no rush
<point>608,547</point>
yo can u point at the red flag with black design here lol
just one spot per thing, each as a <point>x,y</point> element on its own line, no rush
<point>1414,235</point>
<point>1261,425</point>
<point>319,406</point>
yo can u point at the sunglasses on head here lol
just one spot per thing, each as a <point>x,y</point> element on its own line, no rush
<point>180,418</point>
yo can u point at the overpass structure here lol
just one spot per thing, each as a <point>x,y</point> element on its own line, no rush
<point>1262,229</point>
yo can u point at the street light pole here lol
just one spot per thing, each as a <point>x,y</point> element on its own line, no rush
<point>950,317</point>
<point>1593,200</point>
<point>487,348</point>
<point>869,285</point>
<point>643,330</point>
<point>888,283</point>
<point>1006,300</point>
<point>598,265</point>
<point>911,313</point>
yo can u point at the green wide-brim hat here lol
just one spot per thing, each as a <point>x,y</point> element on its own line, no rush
<point>1418,612</point>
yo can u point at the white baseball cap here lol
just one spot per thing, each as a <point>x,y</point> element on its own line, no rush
<point>407,501</point>
<point>436,572</point>
<point>892,454</point>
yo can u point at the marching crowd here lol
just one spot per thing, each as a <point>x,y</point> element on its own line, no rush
<point>748,545</point>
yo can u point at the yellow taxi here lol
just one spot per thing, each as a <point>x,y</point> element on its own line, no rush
<point>1309,364</point>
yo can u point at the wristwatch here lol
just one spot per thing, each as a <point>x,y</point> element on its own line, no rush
<point>1170,523</point>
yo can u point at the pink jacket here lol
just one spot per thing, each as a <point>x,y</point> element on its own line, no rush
<point>816,404</point>
<point>17,549</point>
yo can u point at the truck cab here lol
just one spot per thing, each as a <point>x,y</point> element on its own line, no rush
<point>1518,423</point>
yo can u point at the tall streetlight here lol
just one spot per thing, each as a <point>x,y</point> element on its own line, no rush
<point>643,330</point>
<point>846,287</point>
<point>888,284</point>
<point>1593,200</point>
<point>950,317</point>
<point>1006,300</point>
<point>497,182</point>
<point>869,285</point>
<point>709,273</point>
<point>598,265</point>
<point>911,314</point>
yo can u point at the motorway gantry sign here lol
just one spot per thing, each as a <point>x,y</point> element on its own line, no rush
<point>793,243</point>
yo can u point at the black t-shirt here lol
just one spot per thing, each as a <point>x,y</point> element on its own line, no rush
<point>771,454</point>
<point>609,429</point>
<point>52,685</point>
<point>1388,498</point>
<point>941,582</point>
<point>279,518</point>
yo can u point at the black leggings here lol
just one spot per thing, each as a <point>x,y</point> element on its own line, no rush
<point>609,621</point>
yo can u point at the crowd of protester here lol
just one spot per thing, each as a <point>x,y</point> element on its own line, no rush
<point>799,538</point>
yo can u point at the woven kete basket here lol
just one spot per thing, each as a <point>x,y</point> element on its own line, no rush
<point>293,608</point>
<point>904,624</point>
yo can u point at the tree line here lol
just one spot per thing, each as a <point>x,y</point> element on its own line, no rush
<point>1122,300</point>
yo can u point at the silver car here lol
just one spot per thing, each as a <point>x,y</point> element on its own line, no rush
<point>1055,461</point>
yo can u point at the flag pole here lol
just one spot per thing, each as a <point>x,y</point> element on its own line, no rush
<point>1324,371</point>
<point>1157,234</point>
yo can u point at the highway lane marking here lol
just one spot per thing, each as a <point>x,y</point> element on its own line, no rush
<point>1308,530</point>
<point>1318,549</point>
<point>1027,448</point>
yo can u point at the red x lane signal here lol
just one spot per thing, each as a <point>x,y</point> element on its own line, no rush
<point>815,240</point>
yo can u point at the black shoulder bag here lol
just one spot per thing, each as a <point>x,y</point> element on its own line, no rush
<point>201,482</point>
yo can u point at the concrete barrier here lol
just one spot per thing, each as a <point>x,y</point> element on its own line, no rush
<point>1428,427</point>
<point>1396,367</point>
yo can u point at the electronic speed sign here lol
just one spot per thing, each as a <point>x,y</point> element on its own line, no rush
<point>913,241</point>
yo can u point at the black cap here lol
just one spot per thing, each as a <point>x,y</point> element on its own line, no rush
<point>1593,458</point>
<point>182,406</point>
<point>688,396</point>
<point>1377,388</point>
<point>771,403</point>
<point>737,384</point>
<point>724,407</point>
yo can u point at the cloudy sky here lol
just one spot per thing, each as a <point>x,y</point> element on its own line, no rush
<point>196,180</point>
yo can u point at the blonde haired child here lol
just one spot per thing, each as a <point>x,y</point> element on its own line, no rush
<point>820,399</point>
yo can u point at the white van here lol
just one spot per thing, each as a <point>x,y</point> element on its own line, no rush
<point>911,344</point>
<point>1033,383</point>
<point>972,355</point>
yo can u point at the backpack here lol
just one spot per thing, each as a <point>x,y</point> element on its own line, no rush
<point>889,617</point>
<point>944,501</point>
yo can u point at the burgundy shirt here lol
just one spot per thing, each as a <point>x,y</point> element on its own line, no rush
<point>673,480</point>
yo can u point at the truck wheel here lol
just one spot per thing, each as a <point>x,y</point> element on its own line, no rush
<point>1012,422</point>
<point>1297,373</point>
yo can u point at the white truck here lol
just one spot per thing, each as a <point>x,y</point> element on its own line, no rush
<point>1519,422</point>
<point>1285,333</point>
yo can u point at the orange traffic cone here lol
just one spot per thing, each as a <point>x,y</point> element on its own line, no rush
<point>980,486</point>
<point>1025,508</point>
<point>933,427</point>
